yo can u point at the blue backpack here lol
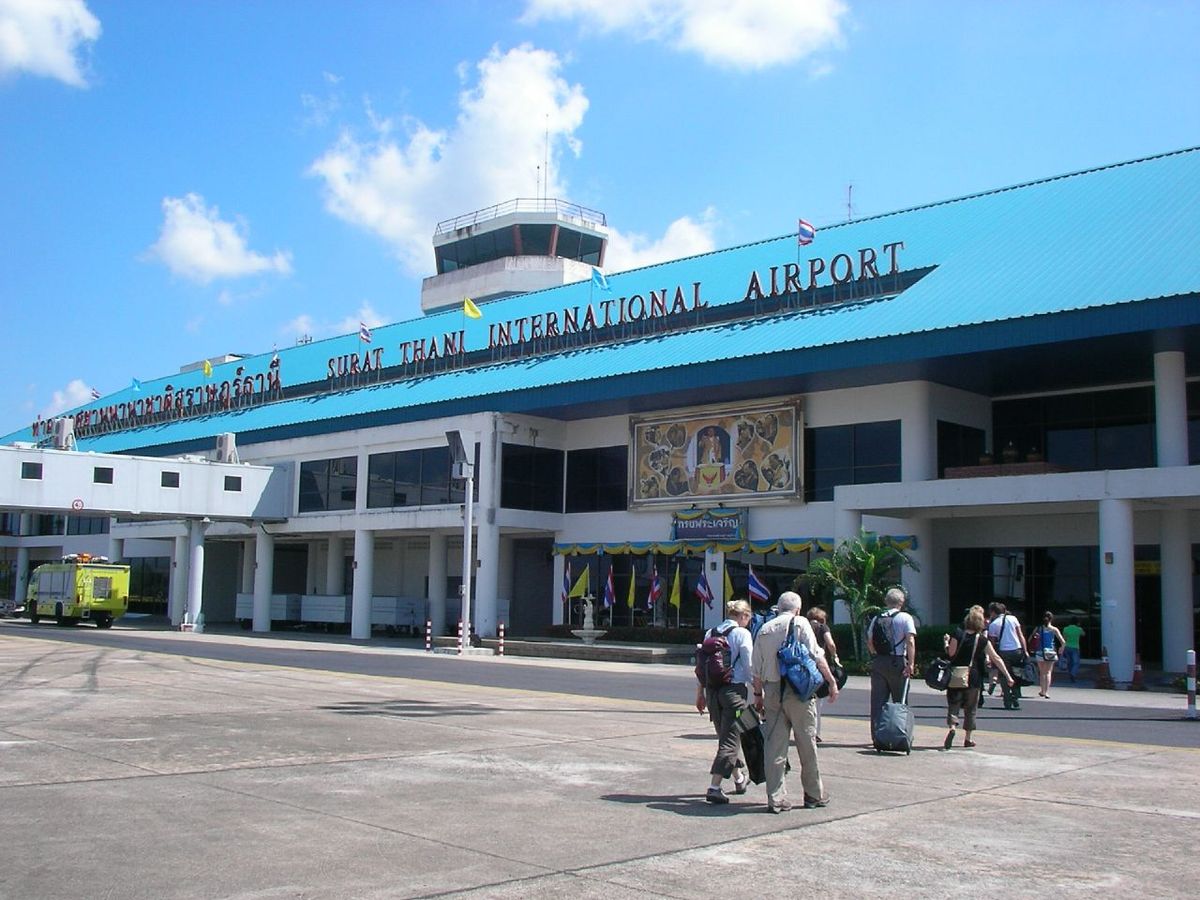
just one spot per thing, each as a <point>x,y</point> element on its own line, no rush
<point>797,666</point>
<point>757,621</point>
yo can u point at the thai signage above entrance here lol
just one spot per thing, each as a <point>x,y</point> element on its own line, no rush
<point>719,524</point>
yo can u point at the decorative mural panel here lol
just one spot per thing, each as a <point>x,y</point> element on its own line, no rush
<point>735,453</point>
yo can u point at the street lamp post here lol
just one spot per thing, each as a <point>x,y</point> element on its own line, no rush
<point>461,467</point>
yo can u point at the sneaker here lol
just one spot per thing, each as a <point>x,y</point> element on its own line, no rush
<point>968,744</point>
<point>1016,705</point>
<point>815,802</point>
<point>949,741</point>
<point>739,787</point>
<point>716,795</point>
<point>783,807</point>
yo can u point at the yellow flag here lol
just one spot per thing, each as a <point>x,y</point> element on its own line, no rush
<point>632,581</point>
<point>471,310</point>
<point>728,586</point>
<point>580,587</point>
<point>207,369</point>
<point>674,598</point>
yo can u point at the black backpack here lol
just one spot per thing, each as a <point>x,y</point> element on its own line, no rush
<point>714,663</point>
<point>881,634</point>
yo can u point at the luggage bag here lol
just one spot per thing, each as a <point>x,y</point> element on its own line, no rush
<point>894,729</point>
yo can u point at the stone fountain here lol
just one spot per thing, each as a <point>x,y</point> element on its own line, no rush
<point>589,632</point>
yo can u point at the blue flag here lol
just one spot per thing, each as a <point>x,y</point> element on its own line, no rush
<point>599,280</point>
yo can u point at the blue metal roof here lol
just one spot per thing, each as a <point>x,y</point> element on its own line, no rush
<point>1117,235</point>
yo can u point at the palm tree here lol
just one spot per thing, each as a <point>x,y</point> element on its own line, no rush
<point>859,571</point>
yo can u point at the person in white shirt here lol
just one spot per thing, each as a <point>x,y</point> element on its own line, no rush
<point>786,715</point>
<point>726,701</point>
<point>1004,630</point>
<point>891,665</point>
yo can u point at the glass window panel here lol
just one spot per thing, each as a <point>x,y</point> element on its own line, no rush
<point>314,478</point>
<point>876,443</point>
<point>568,243</point>
<point>506,243</point>
<point>589,249</point>
<point>407,486</point>
<point>535,239</point>
<point>830,447</point>
<point>1073,448</point>
<point>381,477</point>
<point>435,475</point>
<point>1125,447</point>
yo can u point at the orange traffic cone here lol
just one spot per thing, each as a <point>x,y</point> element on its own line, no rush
<point>1103,676</point>
<point>1137,684</point>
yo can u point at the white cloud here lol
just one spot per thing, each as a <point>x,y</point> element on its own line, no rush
<point>43,37</point>
<point>76,393</point>
<point>399,188</point>
<point>684,237</point>
<point>305,326</point>
<point>738,34</point>
<point>196,244</point>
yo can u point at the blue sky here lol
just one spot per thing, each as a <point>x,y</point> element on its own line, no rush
<point>185,179</point>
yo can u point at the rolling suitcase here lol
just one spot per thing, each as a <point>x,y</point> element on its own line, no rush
<point>894,728</point>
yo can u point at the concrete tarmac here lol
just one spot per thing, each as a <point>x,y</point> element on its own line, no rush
<point>134,774</point>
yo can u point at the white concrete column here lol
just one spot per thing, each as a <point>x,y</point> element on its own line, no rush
<point>436,589</point>
<point>335,567</point>
<point>919,584</point>
<point>487,535</point>
<point>21,581</point>
<point>247,582</point>
<point>264,579</point>
<point>504,582</point>
<point>714,561</point>
<point>21,576</point>
<point>557,606</point>
<point>1117,620</point>
<point>918,437</point>
<point>1170,408</point>
<point>310,572</point>
<point>364,579</point>
<point>177,599</point>
<point>1175,548</point>
<point>195,593</point>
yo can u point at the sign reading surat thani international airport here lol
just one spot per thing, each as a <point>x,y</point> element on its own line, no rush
<point>602,318</point>
<point>737,452</point>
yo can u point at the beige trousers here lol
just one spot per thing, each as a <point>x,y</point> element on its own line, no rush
<point>789,718</point>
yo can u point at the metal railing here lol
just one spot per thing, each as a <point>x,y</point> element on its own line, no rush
<point>520,205</point>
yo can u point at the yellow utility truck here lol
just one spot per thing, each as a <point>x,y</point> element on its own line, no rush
<point>80,587</point>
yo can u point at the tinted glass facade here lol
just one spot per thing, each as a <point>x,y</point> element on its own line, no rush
<point>412,478</point>
<point>863,453</point>
<point>531,478</point>
<point>327,485</point>
<point>597,479</point>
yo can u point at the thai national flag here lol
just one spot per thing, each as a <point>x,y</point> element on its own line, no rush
<point>703,591</point>
<point>656,589</point>
<point>364,333</point>
<point>610,591</point>
<point>566,591</point>
<point>805,232</point>
<point>755,588</point>
<point>95,394</point>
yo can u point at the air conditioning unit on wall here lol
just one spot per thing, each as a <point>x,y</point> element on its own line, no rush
<point>227,447</point>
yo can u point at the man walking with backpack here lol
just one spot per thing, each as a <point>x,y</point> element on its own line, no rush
<point>724,676</point>
<point>786,714</point>
<point>892,642</point>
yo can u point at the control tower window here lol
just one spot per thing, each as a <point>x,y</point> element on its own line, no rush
<point>589,249</point>
<point>535,239</point>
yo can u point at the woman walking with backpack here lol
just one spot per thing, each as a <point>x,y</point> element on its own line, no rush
<point>970,653</point>
<point>723,668</point>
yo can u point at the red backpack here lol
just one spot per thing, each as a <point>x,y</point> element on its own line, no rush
<point>714,663</point>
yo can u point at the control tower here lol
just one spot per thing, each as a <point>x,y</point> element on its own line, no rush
<point>513,248</point>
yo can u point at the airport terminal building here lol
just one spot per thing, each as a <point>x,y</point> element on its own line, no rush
<point>1008,384</point>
